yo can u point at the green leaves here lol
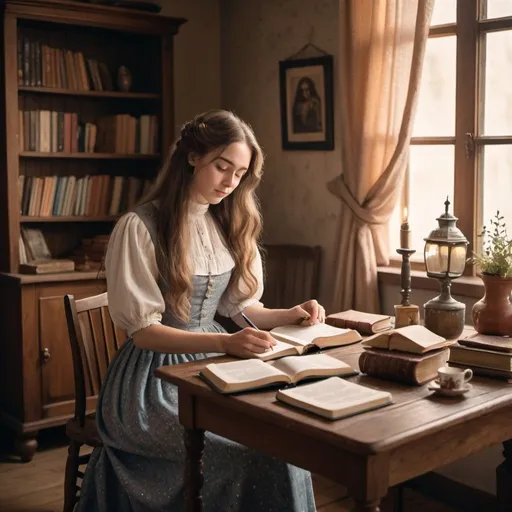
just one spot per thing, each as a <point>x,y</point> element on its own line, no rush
<point>496,257</point>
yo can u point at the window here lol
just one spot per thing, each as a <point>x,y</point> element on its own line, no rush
<point>461,144</point>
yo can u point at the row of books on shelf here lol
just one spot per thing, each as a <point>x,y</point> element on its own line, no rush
<point>41,65</point>
<point>91,195</point>
<point>50,131</point>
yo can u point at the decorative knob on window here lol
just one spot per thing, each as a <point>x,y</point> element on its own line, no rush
<point>46,355</point>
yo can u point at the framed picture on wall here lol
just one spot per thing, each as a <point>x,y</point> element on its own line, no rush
<point>306,90</point>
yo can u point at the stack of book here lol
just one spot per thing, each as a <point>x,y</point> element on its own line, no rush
<point>90,254</point>
<point>490,356</point>
<point>411,355</point>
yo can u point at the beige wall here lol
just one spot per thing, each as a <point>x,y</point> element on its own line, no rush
<point>196,57</point>
<point>255,36</point>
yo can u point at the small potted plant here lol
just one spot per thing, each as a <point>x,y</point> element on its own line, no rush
<point>493,313</point>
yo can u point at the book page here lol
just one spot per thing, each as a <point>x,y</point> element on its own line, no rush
<point>360,316</point>
<point>417,334</point>
<point>276,351</point>
<point>247,370</point>
<point>380,340</point>
<point>336,394</point>
<point>306,334</point>
<point>294,365</point>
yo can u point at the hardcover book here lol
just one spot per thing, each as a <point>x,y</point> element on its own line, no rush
<point>365,323</point>
<point>479,357</point>
<point>416,369</point>
<point>334,398</point>
<point>415,339</point>
<point>486,342</point>
<point>298,339</point>
<point>247,374</point>
<point>51,266</point>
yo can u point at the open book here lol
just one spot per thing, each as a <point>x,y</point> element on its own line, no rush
<point>365,323</point>
<point>412,338</point>
<point>247,374</point>
<point>297,339</point>
<point>334,398</point>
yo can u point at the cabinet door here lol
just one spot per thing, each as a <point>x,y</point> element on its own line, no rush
<point>57,382</point>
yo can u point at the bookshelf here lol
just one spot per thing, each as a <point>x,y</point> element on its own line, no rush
<point>79,144</point>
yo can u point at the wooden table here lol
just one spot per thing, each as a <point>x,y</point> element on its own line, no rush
<point>367,453</point>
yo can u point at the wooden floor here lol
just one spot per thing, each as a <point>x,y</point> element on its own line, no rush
<point>37,486</point>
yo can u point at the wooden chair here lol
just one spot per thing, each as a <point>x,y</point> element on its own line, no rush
<point>94,340</point>
<point>292,275</point>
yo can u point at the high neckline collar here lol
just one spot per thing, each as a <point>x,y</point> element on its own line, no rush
<point>198,209</point>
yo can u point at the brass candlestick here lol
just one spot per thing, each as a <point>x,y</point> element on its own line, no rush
<point>406,313</point>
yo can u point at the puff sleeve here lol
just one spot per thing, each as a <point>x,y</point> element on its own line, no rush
<point>230,305</point>
<point>134,297</point>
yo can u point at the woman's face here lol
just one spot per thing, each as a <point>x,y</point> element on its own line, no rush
<point>219,172</point>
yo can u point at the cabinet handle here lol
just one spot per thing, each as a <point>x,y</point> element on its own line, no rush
<point>46,355</point>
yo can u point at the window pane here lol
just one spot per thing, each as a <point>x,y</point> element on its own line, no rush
<point>445,11</point>
<point>435,115</point>
<point>497,184</point>
<point>498,94</point>
<point>497,8</point>
<point>431,171</point>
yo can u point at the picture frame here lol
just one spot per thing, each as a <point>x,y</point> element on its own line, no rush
<point>306,101</point>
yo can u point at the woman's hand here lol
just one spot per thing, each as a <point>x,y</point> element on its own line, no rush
<point>247,342</point>
<point>309,313</point>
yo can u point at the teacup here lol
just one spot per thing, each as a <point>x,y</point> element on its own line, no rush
<point>453,378</point>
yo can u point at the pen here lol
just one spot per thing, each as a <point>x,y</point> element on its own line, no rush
<point>252,324</point>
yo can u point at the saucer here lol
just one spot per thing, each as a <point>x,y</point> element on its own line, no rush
<point>434,386</point>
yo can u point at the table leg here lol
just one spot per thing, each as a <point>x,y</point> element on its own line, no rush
<point>194,478</point>
<point>368,506</point>
<point>504,479</point>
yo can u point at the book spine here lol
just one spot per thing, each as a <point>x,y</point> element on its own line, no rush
<point>342,323</point>
<point>389,368</point>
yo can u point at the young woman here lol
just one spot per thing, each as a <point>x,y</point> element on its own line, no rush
<point>188,251</point>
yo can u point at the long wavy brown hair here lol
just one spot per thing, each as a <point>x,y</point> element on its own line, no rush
<point>238,215</point>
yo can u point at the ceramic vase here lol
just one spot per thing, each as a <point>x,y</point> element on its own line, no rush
<point>493,313</point>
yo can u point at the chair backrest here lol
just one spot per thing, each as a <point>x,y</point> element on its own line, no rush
<point>292,275</point>
<point>94,340</point>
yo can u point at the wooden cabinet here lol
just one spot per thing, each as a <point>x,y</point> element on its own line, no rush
<point>50,51</point>
<point>35,359</point>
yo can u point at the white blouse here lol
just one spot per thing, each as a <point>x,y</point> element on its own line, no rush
<point>134,298</point>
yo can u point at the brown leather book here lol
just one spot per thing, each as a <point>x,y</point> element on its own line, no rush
<point>483,341</point>
<point>402,367</point>
<point>484,372</point>
<point>50,266</point>
<point>480,357</point>
<point>365,323</point>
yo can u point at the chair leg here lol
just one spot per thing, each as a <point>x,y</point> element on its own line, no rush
<point>71,475</point>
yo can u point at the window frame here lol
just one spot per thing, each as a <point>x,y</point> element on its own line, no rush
<point>470,29</point>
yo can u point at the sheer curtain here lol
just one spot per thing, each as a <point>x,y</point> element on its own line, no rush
<point>382,48</point>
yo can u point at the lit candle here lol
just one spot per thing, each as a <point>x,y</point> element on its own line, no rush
<point>405,232</point>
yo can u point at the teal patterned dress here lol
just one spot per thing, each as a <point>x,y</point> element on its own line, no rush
<point>140,468</point>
